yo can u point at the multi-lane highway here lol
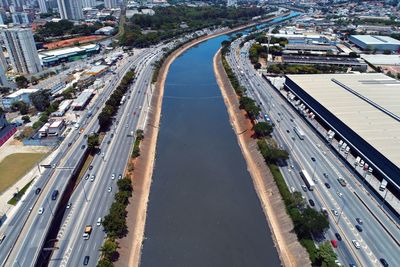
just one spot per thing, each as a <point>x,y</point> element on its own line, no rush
<point>315,156</point>
<point>22,244</point>
<point>92,199</point>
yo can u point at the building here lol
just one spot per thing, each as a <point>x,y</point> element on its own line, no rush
<point>110,4</point>
<point>70,9</point>
<point>56,128</point>
<point>362,110</point>
<point>21,48</point>
<point>3,79</point>
<point>83,99</point>
<point>43,6</point>
<point>375,42</point>
<point>108,30</point>
<point>57,56</point>
<point>89,3</point>
<point>20,95</point>
<point>97,70</point>
<point>62,108</point>
<point>231,3</point>
<point>354,63</point>
<point>20,18</point>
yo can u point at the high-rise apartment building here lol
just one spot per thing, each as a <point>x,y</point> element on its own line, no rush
<point>110,3</point>
<point>43,6</point>
<point>70,9</point>
<point>20,18</point>
<point>22,50</point>
<point>89,3</point>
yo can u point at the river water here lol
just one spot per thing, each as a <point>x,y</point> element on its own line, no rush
<point>203,208</point>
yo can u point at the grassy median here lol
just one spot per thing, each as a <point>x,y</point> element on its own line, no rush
<point>16,165</point>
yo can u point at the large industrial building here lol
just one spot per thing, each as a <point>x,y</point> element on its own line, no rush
<point>363,110</point>
<point>375,42</point>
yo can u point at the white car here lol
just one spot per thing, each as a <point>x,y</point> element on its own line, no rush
<point>335,212</point>
<point>92,178</point>
<point>356,244</point>
<point>41,210</point>
<point>113,176</point>
<point>109,189</point>
<point>339,194</point>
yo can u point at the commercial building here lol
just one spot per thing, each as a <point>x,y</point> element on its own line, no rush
<point>354,63</point>
<point>21,48</point>
<point>62,108</point>
<point>375,42</point>
<point>83,99</point>
<point>57,56</point>
<point>70,9</point>
<point>97,70</point>
<point>362,110</point>
<point>20,95</point>
<point>56,128</point>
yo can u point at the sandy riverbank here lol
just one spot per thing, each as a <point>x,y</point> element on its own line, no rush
<point>130,246</point>
<point>289,249</point>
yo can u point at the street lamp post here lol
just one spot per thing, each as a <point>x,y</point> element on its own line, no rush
<point>341,211</point>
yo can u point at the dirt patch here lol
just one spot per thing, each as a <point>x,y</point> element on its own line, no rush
<point>73,41</point>
<point>290,250</point>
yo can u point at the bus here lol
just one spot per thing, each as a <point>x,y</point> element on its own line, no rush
<point>307,180</point>
<point>299,132</point>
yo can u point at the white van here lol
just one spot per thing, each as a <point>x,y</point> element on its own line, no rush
<point>99,221</point>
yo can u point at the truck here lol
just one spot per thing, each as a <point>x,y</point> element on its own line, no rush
<point>88,230</point>
<point>307,180</point>
<point>299,132</point>
<point>383,185</point>
<point>122,100</point>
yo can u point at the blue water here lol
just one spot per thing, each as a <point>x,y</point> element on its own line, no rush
<point>203,209</point>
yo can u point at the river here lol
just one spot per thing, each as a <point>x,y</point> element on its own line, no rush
<point>203,208</point>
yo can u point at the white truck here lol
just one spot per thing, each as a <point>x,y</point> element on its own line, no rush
<point>383,185</point>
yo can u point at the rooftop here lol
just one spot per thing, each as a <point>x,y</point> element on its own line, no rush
<point>376,39</point>
<point>374,115</point>
<point>22,91</point>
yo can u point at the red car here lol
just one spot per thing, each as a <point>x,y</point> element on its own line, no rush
<point>334,243</point>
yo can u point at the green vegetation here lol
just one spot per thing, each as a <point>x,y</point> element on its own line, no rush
<point>114,101</point>
<point>270,153</point>
<point>26,118</point>
<point>21,81</point>
<point>17,196</point>
<point>263,129</point>
<point>304,69</point>
<point>64,28</point>
<point>240,90</point>
<point>41,100</point>
<point>257,50</point>
<point>15,165</point>
<point>115,221</point>
<point>20,106</point>
<point>250,106</point>
<point>93,141</point>
<point>169,22</point>
<point>136,146</point>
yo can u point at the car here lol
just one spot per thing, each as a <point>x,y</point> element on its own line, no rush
<point>327,185</point>
<point>312,203</point>
<point>69,205</point>
<point>352,265</point>
<point>287,131</point>
<point>126,126</point>
<point>359,221</point>
<point>109,189</point>
<point>342,182</point>
<point>87,176</point>
<point>113,176</point>
<point>108,142</point>
<point>99,220</point>
<point>83,147</point>
<point>334,243</point>
<point>304,188</point>
<point>90,167</point>
<point>356,244</point>
<point>119,176</point>
<point>102,154</point>
<point>86,260</point>
<point>313,159</point>
<point>37,191</point>
<point>92,177</point>
<point>339,193</point>
<point>325,175</point>
<point>384,262</point>
<point>335,212</point>
<point>69,144</point>
<point>359,228</point>
<point>41,210</point>
<point>85,136</point>
<point>338,236</point>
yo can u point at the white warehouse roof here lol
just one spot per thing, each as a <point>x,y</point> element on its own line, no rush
<point>373,124</point>
<point>376,40</point>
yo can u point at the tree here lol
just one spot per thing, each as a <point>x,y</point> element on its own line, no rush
<point>92,141</point>
<point>139,134</point>
<point>257,65</point>
<point>109,248</point>
<point>314,221</point>
<point>26,119</point>
<point>326,254</point>
<point>298,199</point>
<point>21,106</point>
<point>104,120</point>
<point>263,129</point>
<point>21,82</point>
<point>105,263</point>
<point>40,99</point>
<point>125,185</point>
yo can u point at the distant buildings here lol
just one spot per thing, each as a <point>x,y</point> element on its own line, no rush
<point>70,9</point>
<point>89,3</point>
<point>375,42</point>
<point>20,95</point>
<point>110,3</point>
<point>20,18</point>
<point>43,6</point>
<point>231,3</point>
<point>22,51</point>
